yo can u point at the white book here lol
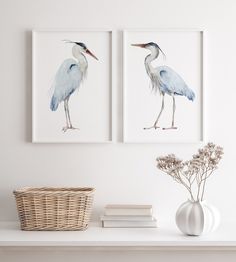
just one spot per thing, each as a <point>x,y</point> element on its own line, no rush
<point>129,224</point>
<point>127,218</point>
<point>128,210</point>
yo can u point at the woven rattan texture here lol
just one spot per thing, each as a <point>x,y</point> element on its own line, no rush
<point>54,208</point>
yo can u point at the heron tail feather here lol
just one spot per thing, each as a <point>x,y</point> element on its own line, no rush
<point>54,103</point>
<point>190,94</point>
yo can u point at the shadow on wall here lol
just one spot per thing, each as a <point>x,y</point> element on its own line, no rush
<point>28,86</point>
<point>8,205</point>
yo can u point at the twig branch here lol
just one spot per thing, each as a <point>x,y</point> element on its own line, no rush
<point>194,173</point>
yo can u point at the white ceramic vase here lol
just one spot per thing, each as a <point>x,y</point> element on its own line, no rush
<point>195,218</point>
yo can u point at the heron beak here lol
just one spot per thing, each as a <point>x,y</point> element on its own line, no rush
<point>68,41</point>
<point>139,45</point>
<point>90,53</point>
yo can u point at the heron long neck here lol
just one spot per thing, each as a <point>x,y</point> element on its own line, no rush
<point>82,61</point>
<point>148,61</point>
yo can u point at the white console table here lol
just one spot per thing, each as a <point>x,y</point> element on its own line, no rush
<point>118,240</point>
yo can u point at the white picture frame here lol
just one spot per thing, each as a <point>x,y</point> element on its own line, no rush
<point>94,112</point>
<point>134,68</point>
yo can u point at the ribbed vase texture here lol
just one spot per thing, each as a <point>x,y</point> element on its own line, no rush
<point>195,218</point>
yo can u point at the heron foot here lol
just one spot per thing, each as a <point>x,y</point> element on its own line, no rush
<point>169,128</point>
<point>65,128</point>
<point>151,127</point>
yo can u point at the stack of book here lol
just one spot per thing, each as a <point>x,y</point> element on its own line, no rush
<point>128,216</point>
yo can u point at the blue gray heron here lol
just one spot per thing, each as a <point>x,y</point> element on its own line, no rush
<point>69,77</point>
<point>165,80</point>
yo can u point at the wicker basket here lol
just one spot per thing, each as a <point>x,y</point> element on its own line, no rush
<point>54,208</point>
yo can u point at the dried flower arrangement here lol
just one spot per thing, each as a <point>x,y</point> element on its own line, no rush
<point>193,174</point>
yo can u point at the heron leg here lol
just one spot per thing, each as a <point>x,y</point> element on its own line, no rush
<point>162,107</point>
<point>68,113</point>
<point>68,121</point>
<point>173,113</point>
<point>159,115</point>
<point>173,116</point>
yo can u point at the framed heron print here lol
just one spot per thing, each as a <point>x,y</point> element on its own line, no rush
<point>72,81</point>
<point>163,86</point>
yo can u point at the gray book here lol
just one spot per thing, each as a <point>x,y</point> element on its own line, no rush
<point>127,218</point>
<point>129,224</point>
<point>128,210</point>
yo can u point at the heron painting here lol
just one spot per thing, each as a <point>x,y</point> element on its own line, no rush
<point>68,79</point>
<point>72,86</point>
<point>165,81</point>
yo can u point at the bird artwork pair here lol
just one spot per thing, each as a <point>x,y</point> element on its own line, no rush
<point>72,73</point>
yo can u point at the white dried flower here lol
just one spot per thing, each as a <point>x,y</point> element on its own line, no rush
<point>196,170</point>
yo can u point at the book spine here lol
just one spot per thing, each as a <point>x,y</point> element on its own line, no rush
<point>128,212</point>
<point>129,224</point>
<point>127,218</point>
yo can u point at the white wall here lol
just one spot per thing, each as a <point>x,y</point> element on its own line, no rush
<point>123,173</point>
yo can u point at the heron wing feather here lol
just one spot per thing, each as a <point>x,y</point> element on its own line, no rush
<point>67,80</point>
<point>173,84</point>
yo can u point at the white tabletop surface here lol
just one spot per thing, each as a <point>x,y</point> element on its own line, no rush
<point>96,236</point>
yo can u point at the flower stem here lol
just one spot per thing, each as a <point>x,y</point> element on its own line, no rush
<point>204,184</point>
